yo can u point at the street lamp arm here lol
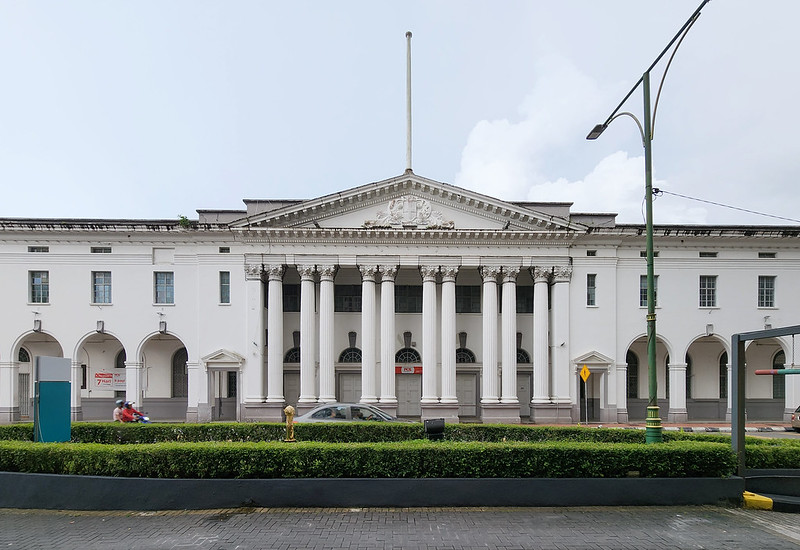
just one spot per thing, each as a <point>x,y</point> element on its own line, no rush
<point>685,31</point>
<point>636,120</point>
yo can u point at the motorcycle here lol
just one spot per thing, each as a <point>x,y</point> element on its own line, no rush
<point>141,418</point>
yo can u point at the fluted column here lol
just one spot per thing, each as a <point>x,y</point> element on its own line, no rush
<point>429,370</point>
<point>368,393</point>
<point>253,376</point>
<point>541,374</point>
<point>275,333</point>
<point>509,356</point>
<point>327,375</point>
<point>9,396</point>
<point>388,273</point>
<point>489,274</point>
<point>307,334</point>
<point>560,368</point>
<point>449,334</point>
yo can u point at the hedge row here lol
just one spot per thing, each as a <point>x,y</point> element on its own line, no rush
<point>414,459</point>
<point>108,432</point>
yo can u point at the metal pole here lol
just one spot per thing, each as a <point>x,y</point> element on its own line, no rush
<point>408,102</point>
<point>653,432</point>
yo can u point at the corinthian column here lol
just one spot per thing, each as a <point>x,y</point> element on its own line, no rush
<point>275,333</point>
<point>509,358</point>
<point>429,334</point>
<point>541,375</point>
<point>327,379</point>
<point>560,369</point>
<point>449,334</point>
<point>368,334</point>
<point>307,336</point>
<point>253,379</point>
<point>489,274</point>
<point>388,273</point>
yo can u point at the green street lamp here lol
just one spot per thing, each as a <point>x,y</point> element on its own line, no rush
<point>653,433</point>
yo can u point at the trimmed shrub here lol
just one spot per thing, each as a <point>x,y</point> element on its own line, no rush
<point>415,459</point>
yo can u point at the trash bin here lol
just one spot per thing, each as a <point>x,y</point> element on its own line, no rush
<point>434,428</point>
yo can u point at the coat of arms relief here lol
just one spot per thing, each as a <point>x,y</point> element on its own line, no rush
<point>409,211</point>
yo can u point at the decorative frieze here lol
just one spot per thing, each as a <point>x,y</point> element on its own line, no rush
<point>409,211</point>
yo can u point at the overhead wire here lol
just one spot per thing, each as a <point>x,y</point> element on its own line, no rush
<point>658,192</point>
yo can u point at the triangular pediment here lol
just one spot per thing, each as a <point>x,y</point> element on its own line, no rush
<point>593,359</point>
<point>222,356</point>
<point>407,202</point>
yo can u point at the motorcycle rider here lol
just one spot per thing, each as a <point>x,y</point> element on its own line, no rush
<point>129,414</point>
<point>118,411</point>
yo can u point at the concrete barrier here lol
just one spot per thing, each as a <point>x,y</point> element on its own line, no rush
<point>63,492</point>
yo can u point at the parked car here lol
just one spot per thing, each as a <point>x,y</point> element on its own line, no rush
<point>796,419</point>
<point>345,412</point>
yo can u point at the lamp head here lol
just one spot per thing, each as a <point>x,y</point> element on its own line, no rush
<point>596,131</point>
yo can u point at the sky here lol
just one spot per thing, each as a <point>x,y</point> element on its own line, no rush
<point>154,109</point>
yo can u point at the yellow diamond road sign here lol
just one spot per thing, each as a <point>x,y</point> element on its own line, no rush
<point>585,373</point>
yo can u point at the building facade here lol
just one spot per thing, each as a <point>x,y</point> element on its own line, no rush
<point>423,298</point>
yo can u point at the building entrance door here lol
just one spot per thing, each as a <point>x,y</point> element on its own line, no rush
<point>409,394</point>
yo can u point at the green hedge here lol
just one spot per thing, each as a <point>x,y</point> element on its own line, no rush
<point>109,432</point>
<point>413,459</point>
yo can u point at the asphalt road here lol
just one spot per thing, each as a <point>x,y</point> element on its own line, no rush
<point>706,527</point>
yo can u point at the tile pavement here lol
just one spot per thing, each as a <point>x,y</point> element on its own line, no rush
<point>706,527</point>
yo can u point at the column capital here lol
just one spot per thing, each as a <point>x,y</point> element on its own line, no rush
<point>489,273</point>
<point>510,274</point>
<point>449,273</point>
<point>252,272</point>
<point>428,272</point>
<point>274,272</point>
<point>368,272</point>
<point>327,272</point>
<point>541,274</point>
<point>562,273</point>
<point>388,272</point>
<point>306,272</point>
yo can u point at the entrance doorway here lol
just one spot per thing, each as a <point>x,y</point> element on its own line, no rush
<point>409,394</point>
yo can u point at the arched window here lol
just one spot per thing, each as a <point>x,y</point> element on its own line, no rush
<point>407,355</point>
<point>523,356</point>
<point>292,356</point>
<point>633,375</point>
<point>119,360</point>
<point>688,377</point>
<point>464,355</point>
<point>24,356</point>
<point>180,378</point>
<point>723,375</point>
<point>350,355</point>
<point>779,380</point>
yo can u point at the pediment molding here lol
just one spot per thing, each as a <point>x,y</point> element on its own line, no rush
<point>593,359</point>
<point>406,202</point>
<point>222,357</point>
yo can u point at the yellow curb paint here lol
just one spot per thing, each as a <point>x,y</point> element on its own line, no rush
<point>756,502</point>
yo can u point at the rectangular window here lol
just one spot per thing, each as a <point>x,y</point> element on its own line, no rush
<point>468,299</point>
<point>291,298</point>
<point>39,287</point>
<point>643,290</point>
<point>164,287</point>
<point>591,289</point>
<point>766,291</point>
<point>101,287</point>
<point>708,254</point>
<point>39,249</point>
<point>524,299</point>
<point>100,250</point>
<point>225,250</point>
<point>766,254</point>
<point>347,298</point>
<point>224,287</point>
<point>591,252</point>
<point>231,383</point>
<point>708,291</point>
<point>408,299</point>
<point>643,254</point>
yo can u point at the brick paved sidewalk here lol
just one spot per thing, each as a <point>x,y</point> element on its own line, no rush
<point>450,528</point>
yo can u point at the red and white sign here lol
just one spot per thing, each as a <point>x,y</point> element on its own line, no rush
<point>408,369</point>
<point>105,380</point>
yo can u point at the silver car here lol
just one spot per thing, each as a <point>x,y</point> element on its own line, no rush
<point>345,412</point>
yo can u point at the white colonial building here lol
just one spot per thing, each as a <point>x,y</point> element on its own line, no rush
<point>424,298</point>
